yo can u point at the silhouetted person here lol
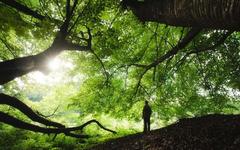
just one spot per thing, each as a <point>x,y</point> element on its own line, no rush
<point>147,111</point>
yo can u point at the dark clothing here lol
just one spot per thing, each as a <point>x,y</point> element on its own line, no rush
<point>147,111</point>
<point>146,127</point>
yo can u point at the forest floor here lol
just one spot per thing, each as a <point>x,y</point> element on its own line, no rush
<point>218,132</point>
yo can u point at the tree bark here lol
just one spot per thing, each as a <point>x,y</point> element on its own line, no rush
<point>215,14</point>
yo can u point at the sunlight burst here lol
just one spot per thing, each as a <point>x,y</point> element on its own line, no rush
<point>58,68</point>
<point>54,64</point>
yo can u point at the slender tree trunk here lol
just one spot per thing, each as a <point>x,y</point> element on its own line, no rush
<point>215,14</point>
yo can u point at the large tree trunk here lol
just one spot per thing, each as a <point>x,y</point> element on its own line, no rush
<point>215,14</point>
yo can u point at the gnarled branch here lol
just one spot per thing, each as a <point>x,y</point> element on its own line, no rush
<point>14,102</point>
<point>5,118</point>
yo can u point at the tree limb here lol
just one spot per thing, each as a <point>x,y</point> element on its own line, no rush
<point>14,102</point>
<point>59,128</point>
<point>17,67</point>
<point>203,49</point>
<point>23,9</point>
<point>212,47</point>
<point>183,43</point>
<point>5,118</point>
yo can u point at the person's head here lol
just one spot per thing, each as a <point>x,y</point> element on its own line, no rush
<point>146,102</point>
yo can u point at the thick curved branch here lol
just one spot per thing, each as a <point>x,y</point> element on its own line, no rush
<point>17,67</point>
<point>175,49</point>
<point>217,14</point>
<point>5,118</point>
<point>23,9</point>
<point>59,128</point>
<point>14,102</point>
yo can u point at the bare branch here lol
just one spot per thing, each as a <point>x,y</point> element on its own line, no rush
<point>175,49</point>
<point>137,65</point>
<point>69,13</point>
<point>203,49</point>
